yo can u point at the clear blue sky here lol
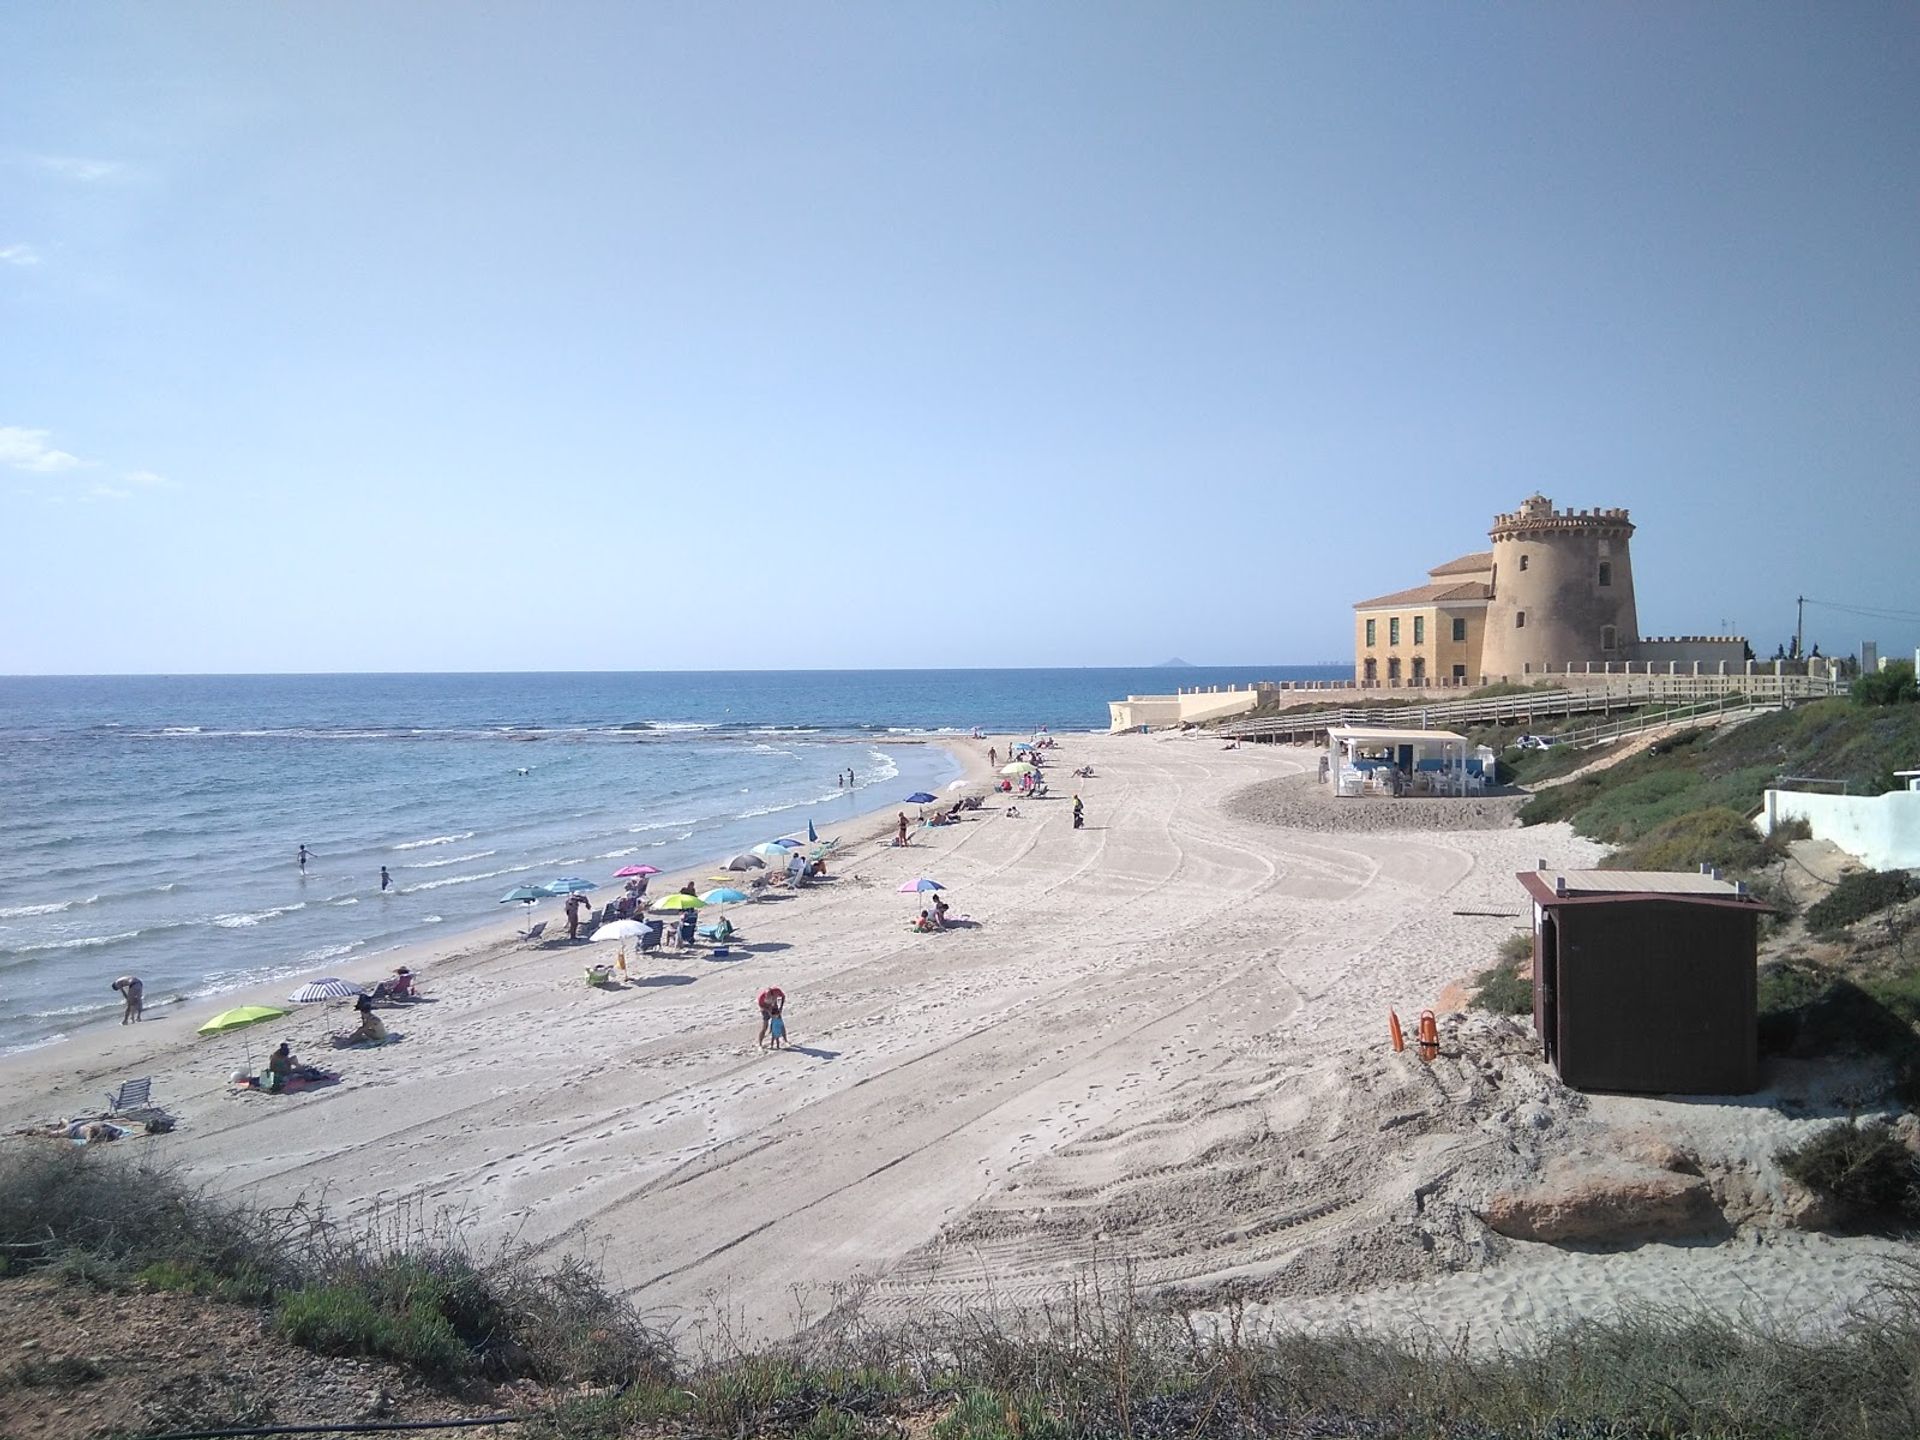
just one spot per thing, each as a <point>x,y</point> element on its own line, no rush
<point>495,336</point>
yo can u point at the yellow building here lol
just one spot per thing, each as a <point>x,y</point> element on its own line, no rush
<point>1429,635</point>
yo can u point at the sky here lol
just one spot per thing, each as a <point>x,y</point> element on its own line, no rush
<point>490,336</point>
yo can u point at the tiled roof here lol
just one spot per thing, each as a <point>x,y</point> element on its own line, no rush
<point>1478,564</point>
<point>1428,595</point>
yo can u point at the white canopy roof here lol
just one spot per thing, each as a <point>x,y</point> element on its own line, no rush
<point>1395,737</point>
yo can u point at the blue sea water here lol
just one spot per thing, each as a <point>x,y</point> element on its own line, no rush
<point>149,824</point>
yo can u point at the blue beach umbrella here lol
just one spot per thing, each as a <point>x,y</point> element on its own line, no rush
<point>723,896</point>
<point>525,894</point>
<point>789,843</point>
<point>919,887</point>
<point>811,833</point>
<point>919,797</point>
<point>570,885</point>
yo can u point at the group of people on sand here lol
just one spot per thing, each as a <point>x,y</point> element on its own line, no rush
<point>934,918</point>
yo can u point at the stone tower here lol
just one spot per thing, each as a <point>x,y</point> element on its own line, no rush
<point>1562,591</point>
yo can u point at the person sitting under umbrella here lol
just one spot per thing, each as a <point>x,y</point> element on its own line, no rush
<point>372,1029</point>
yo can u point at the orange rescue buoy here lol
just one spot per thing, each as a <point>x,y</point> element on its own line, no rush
<point>1399,1040</point>
<point>1429,1035</point>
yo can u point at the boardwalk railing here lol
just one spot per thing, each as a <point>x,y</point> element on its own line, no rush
<point>1620,692</point>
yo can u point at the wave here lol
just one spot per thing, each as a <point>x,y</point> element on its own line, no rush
<point>436,840</point>
<point>243,920</point>
<point>20,912</point>
<point>464,879</point>
<point>618,854</point>
<point>431,919</point>
<point>81,942</point>
<point>451,860</point>
<point>344,900</point>
<point>330,952</point>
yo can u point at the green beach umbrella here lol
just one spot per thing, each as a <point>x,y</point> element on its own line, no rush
<point>677,901</point>
<point>1018,767</point>
<point>239,1018</point>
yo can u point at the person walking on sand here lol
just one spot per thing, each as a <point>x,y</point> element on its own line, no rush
<point>132,991</point>
<point>993,757</point>
<point>1079,813</point>
<point>574,905</point>
<point>386,880</point>
<point>304,853</point>
<point>900,836</point>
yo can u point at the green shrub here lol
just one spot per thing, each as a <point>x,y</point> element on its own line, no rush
<point>1713,836</point>
<point>1863,1167</point>
<point>1503,990</point>
<point>347,1320</point>
<point>1863,893</point>
<point>1893,685</point>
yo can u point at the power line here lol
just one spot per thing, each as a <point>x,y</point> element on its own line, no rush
<point>1868,611</point>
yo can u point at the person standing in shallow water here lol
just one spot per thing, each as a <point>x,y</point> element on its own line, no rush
<point>132,991</point>
<point>304,853</point>
<point>386,880</point>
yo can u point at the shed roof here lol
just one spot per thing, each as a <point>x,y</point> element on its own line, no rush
<point>1393,737</point>
<point>1453,593</point>
<point>1586,887</point>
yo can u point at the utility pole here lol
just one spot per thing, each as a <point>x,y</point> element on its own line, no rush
<point>1799,626</point>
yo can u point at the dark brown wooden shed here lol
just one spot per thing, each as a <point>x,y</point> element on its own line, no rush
<point>1644,980</point>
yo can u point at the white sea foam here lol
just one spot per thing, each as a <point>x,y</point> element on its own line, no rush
<point>436,840</point>
<point>617,854</point>
<point>82,942</point>
<point>330,952</point>
<point>246,919</point>
<point>452,860</point>
<point>660,825</point>
<point>462,879</point>
<point>20,912</point>
<point>430,919</point>
<point>345,900</point>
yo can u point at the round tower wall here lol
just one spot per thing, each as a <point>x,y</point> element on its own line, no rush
<point>1547,568</point>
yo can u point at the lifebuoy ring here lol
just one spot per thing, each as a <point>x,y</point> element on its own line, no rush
<point>1393,1025</point>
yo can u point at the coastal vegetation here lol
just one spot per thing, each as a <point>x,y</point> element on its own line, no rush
<point>1506,986</point>
<point>1699,770</point>
<point>1102,1362</point>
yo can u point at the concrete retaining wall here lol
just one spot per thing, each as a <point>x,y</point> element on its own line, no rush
<point>1882,830</point>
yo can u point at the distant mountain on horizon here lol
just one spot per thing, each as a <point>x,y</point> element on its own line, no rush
<point>1175,662</point>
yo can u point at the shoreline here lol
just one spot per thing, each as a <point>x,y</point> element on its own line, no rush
<point>477,939</point>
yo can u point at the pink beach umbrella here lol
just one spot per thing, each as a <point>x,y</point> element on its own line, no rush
<point>920,886</point>
<point>627,872</point>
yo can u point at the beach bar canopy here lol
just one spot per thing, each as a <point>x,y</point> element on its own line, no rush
<point>1355,756</point>
<point>1644,980</point>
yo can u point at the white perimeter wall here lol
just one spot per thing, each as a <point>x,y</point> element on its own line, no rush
<point>1162,711</point>
<point>1882,830</point>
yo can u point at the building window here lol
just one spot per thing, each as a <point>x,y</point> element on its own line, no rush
<point>1459,672</point>
<point>1419,669</point>
<point>1459,632</point>
<point>1373,668</point>
<point>1419,629</point>
<point>1393,670</point>
<point>1606,576</point>
<point>1523,562</point>
<point>1370,625</point>
<point>1393,630</point>
<point>1519,619</point>
<point>1606,637</point>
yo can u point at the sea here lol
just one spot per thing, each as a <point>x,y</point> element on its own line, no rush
<point>149,825</point>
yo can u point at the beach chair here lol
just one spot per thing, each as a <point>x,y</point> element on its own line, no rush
<point>132,1095</point>
<point>536,932</point>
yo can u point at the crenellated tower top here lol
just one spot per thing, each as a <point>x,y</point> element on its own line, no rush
<point>1536,516</point>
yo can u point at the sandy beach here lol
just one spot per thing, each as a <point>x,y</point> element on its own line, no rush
<point>1159,1045</point>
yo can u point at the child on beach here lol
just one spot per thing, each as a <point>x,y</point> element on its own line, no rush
<point>777,1031</point>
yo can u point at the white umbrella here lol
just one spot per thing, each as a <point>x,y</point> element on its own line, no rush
<point>620,930</point>
<point>957,785</point>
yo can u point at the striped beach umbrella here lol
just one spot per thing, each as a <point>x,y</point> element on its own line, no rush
<point>328,989</point>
